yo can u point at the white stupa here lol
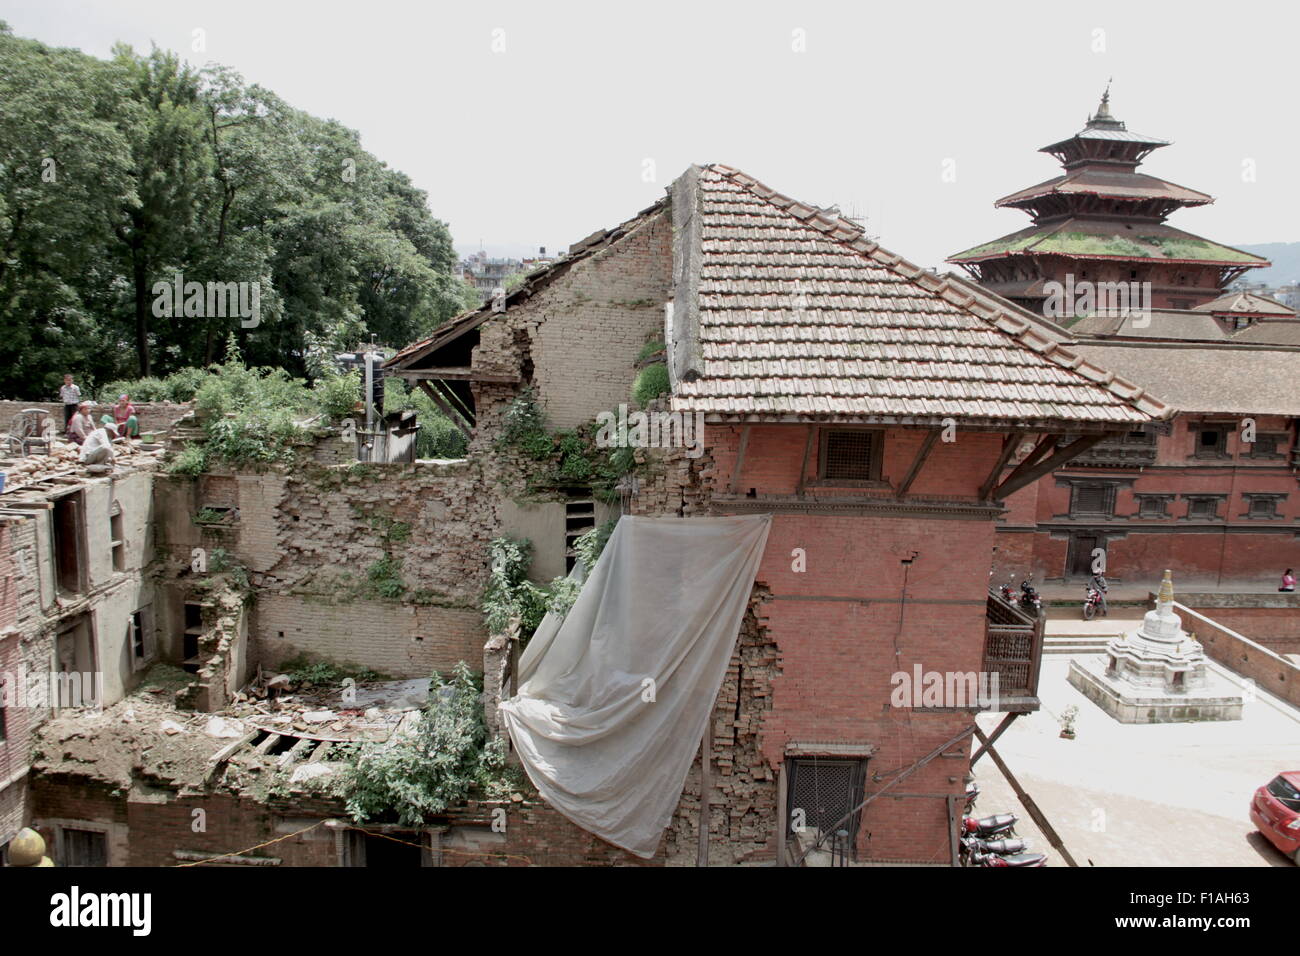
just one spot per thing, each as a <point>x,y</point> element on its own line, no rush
<point>1157,673</point>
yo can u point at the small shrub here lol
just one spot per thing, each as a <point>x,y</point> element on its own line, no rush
<point>445,759</point>
<point>384,578</point>
<point>650,383</point>
<point>190,463</point>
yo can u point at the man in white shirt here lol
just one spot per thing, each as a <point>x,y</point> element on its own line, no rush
<point>97,449</point>
<point>70,395</point>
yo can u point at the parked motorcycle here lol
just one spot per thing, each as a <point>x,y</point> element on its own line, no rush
<point>1002,847</point>
<point>1008,594</point>
<point>1000,824</point>
<point>1029,599</point>
<point>1016,859</point>
<point>1091,603</point>
<point>972,794</point>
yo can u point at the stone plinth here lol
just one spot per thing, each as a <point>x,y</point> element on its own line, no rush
<point>1157,674</point>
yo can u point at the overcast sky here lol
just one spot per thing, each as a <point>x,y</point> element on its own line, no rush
<point>534,124</point>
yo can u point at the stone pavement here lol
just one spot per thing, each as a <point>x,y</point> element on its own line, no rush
<point>1141,795</point>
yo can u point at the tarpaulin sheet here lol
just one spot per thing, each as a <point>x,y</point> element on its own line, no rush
<point>613,699</point>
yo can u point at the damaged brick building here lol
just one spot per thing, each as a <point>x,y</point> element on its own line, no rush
<point>878,412</point>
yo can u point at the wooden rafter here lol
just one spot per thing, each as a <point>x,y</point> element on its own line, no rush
<point>922,454</point>
<point>1009,445</point>
<point>456,418</point>
<point>1017,479</point>
<point>1045,445</point>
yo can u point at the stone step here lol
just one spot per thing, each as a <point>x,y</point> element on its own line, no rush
<point>1075,643</point>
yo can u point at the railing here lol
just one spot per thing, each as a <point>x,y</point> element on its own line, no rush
<point>1013,648</point>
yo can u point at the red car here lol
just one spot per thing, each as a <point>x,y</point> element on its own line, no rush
<point>1276,811</point>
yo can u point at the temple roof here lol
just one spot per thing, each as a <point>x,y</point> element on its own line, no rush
<point>1111,184</point>
<point>1110,239</point>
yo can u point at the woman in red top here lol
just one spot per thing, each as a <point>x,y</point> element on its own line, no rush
<point>1288,581</point>
<point>124,417</point>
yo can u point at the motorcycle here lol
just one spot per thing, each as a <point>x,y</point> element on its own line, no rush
<point>1029,599</point>
<point>1007,593</point>
<point>1000,824</point>
<point>1091,603</point>
<point>972,794</point>
<point>1017,859</point>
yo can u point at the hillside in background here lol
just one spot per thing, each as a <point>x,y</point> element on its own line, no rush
<point>1285,257</point>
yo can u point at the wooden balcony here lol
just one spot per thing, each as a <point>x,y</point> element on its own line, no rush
<point>1013,649</point>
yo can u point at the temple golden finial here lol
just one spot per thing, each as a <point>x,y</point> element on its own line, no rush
<point>1167,588</point>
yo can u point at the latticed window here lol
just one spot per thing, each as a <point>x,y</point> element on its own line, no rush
<point>1092,499</point>
<point>850,455</point>
<point>823,792</point>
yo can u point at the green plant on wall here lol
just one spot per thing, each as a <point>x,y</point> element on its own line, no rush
<point>443,760</point>
<point>384,578</point>
<point>651,382</point>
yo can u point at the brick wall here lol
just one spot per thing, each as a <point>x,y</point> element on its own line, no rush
<point>1239,653</point>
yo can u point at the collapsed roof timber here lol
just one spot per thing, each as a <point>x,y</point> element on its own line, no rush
<point>882,416</point>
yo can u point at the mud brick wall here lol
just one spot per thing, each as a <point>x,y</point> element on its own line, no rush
<point>535,835</point>
<point>156,417</point>
<point>581,334</point>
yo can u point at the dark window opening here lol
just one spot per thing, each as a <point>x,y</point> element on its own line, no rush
<point>823,792</point>
<point>84,848</point>
<point>850,455</point>
<point>69,543</point>
<point>190,638</point>
<point>1211,443</point>
<point>115,536</point>
<point>1202,508</point>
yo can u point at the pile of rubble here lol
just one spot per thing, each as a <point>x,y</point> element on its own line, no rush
<point>271,729</point>
<point>62,461</point>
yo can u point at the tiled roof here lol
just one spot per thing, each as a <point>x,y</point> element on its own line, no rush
<point>800,316</point>
<point>1224,378</point>
<point>1114,184</point>
<point>1246,303</point>
<point>1096,239</point>
<point>1178,324</point>
<point>533,282</point>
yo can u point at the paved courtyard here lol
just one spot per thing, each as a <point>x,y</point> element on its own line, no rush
<point>1140,795</point>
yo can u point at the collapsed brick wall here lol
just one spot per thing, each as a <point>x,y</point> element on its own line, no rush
<point>742,817</point>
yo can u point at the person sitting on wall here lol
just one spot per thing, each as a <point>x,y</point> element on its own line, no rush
<point>98,446</point>
<point>1288,581</point>
<point>123,418</point>
<point>82,424</point>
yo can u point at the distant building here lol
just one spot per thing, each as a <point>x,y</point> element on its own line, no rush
<point>488,274</point>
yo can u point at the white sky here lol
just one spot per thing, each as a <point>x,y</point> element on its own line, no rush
<point>545,142</point>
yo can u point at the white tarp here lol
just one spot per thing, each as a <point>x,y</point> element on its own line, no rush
<point>614,699</point>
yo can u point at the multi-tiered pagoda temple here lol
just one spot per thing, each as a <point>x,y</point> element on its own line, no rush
<point>1103,221</point>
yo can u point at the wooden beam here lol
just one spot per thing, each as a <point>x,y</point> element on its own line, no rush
<point>1016,481</point>
<point>446,409</point>
<point>922,454</point>
<point>1045,445</point>
<point>458,374</point>
<point>706,784</point>
<point>740,460</point>
<point>782,815</point>
<point>1001,728</point>
<point>1027,801</point>
<point>803,468</point>
<point>1008,449</point>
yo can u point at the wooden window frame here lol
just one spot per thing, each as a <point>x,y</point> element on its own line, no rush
<point>874,466</point>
